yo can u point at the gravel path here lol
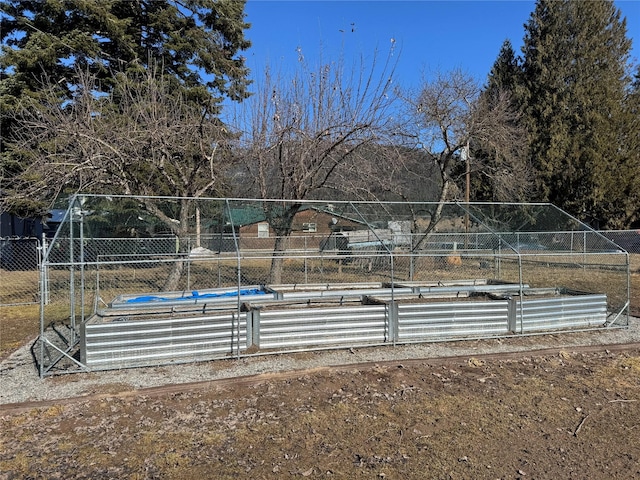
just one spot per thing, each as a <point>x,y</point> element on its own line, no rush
<point>19,380</point>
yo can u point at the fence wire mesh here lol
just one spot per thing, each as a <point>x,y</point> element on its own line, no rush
<point>113,247</point>
<point>19,261</point>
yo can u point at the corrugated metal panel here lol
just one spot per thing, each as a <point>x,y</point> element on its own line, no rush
<point>160,341</point>
<point>348,326</point>
<point>293,287</point>
<point>163,338</point>
<point>501,288</point>
<point>402,290</point>
<point>436,320</point>
<point>555,313</point>
<point>444,283</point>
<point>359,293</point>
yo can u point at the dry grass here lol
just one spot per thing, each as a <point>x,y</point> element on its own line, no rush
<point>21,324</point>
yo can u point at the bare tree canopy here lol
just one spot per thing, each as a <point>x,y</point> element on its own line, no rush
<point>448,118</point>
<point>299,130</point>
<point>302,132</point>
<point>144,138</point>
<point>195,46</point>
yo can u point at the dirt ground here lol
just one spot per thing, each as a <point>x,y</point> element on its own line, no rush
<point>560,415</point>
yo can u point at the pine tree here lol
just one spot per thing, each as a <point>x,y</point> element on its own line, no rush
<point>503,174</point>
<point>630,144</point>
<point>575,74</point>
<point>195,41</point>
<point>505,72</point>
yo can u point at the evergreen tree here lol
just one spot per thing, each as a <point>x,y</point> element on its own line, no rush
<point>502,174</point>
<point>575,75</point>
<point>630,143</point>
<point>505,72</point>
<point>195,41</point>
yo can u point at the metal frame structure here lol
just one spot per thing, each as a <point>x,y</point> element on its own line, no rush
<point>425,272</point>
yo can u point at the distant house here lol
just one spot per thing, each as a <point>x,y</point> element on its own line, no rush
<point>14,226</point>
<point>20,239</point>
<point>311,228</point>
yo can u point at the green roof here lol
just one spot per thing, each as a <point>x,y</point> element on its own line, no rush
<point>245,215</point>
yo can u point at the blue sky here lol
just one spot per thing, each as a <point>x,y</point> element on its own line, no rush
<point>428,35</point>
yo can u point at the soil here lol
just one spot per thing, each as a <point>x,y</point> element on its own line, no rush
<point>537,415</point>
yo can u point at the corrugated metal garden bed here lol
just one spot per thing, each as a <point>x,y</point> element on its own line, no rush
<point>178,327</point>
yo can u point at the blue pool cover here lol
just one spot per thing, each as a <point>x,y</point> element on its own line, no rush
<point>195,295</point>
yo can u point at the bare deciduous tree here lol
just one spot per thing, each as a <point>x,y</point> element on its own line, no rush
<point>304,130</point>
<point>447,115</point>
<point>143,139</point>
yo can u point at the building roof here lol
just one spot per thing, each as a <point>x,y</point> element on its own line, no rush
<point>249,215</point>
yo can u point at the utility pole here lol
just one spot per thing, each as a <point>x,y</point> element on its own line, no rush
<point>467,193</point>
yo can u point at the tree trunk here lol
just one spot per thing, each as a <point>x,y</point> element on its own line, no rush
<point>437,214</point>
<point>173,280</point>
<point>281,225</point>
<point>277,261</point>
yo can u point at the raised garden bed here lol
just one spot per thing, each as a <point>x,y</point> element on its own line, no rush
<point>176,327</point>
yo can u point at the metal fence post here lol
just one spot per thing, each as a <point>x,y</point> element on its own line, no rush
<point>72,273</point>
<point>42,304</point>
<point>392,308</point>
<point>306,272</point>
<point>44,271</point>
<point>188,263</point>
<point>253,328</point>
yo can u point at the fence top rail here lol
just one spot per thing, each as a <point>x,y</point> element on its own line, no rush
<point>80,196</point>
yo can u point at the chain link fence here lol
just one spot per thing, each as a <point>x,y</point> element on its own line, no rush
<point>20,260</point>
<point>628,240</point>
<point>166,251</point>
